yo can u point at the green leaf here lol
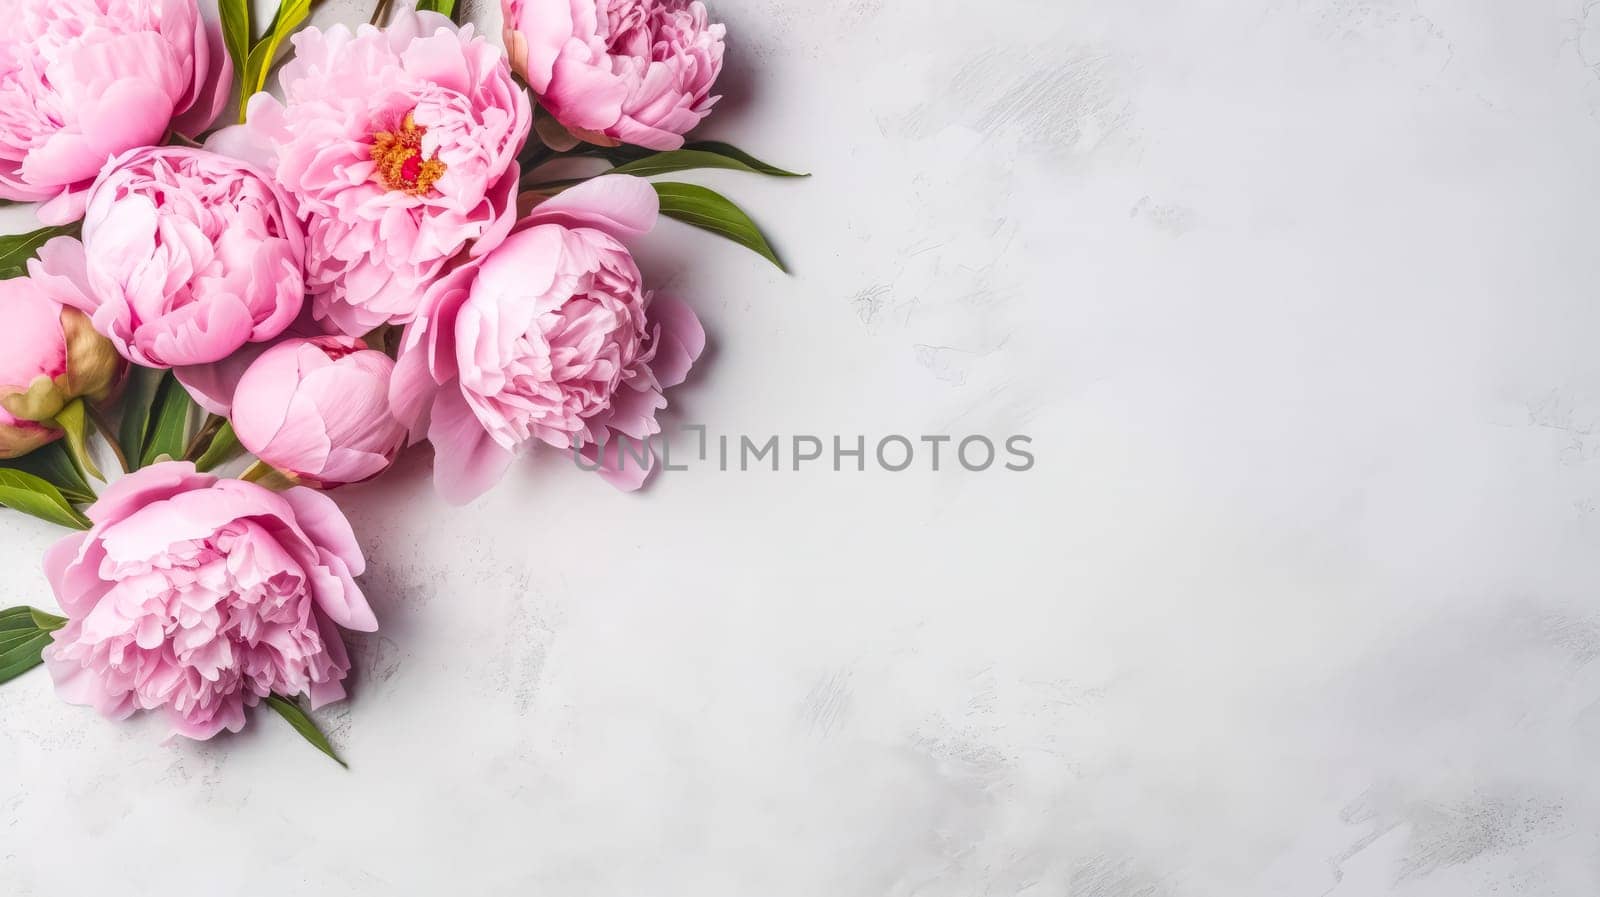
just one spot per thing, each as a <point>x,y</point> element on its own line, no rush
<point>705,154</point>
<point>16,618</point>
<point>138,399</point>
<point>442,7</point>
<point>34,495</point>
<point>24,632</point>
<point>290,16</point>
<point>711,211</point>
<point>73,419</point>
<point>16,249</point>
<point>46,621</point>
<point>235,16</point>
<point>23,657</point>
<point>54,465</point>
<point>168,434</point>
<point>224,447</point>
<point>303,724</point>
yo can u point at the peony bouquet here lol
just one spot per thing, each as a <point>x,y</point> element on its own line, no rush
<point>422,234</point>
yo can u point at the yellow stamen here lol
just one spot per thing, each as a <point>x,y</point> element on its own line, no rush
<point>399,157</point>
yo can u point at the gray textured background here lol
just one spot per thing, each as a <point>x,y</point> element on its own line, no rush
<point>1298,302</point>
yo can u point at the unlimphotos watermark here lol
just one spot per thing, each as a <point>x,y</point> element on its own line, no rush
<point>772,452</point>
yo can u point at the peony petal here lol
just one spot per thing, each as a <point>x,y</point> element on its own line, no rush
<point>212,385</point>
<point>411,390</point>
<point>466,462</point>
<point>320,518</point>
<point>618,462</point>
<point>679,342</point>
<point>150,484</point>
<point>618,204</point>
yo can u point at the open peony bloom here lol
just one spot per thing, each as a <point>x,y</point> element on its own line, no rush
<point>398,148</point>
<point>49,356</point>
<point>550,337</point>
<point>84,80</point>
<point>318,409</point>
<point>199,597</point>
<point>618,71</point>
<point>186,256</point>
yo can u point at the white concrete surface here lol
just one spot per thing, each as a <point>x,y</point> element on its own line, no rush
<point>1298,302</point>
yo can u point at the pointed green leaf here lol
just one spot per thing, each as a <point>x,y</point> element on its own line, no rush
<point>290,16</point>
<point>235,15</point>
<point>16,249</point>
<point>224,447</point>
<point>711,211</point>
<point>23,657</point>
<point>33,495</point>
<point>73,419</point>
<point>442,7</point>
<point>16,618</point>
<point>706,154</point>
<point>27,626</point>
<point>46,621</point>
<point>749,161</point>
<point>53,465</point>
<point>24,632</point>
<point>303,724</point>
<point>169,423</point>
<point>138,400</point>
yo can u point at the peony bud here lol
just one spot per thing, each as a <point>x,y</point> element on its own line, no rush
<point>50,355</point>
<point>318,410</point>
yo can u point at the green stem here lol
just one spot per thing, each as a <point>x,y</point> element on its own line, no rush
<point>103,426</point>
<point>202,439</point>
<point>268,477</point>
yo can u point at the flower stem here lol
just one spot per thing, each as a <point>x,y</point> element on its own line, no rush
<point>380,12</point>
<point>106,433</point>
<point>202,439</point>
<point>265,475</point>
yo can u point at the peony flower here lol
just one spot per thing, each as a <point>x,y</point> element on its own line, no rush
<point>398,148</point>
<point>186,256</point>
<point>318,409</point>
<point>49,356</point>
<point>549,337</point>
<point>84,80</point>
<point>199,597</point>
<point>628,71</point>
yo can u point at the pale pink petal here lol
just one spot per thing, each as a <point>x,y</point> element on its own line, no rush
<point>618,204</point>
<point>618,462</point>
<point>679,342</point>
<point>466,462</point>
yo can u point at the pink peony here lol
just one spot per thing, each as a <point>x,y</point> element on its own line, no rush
<point>84,80</point>
<point>212,385</point>
<point>399,150</point>
<point>628,71</point>
<point>550,337</point>
<point>186,256</point>
<point>318,409</point>
<point>200,596</point>
<point>49,356</point>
